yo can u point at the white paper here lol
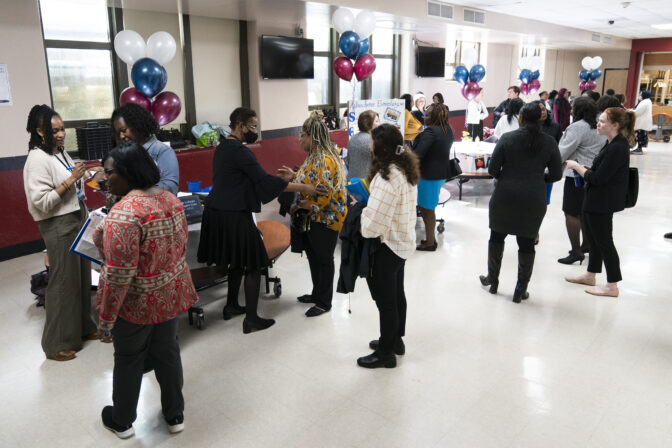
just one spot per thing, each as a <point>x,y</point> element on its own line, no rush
<point>83,244</point>
<point>5,90</point>
<point>391,111</point>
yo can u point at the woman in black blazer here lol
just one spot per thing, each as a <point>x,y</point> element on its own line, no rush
<point>606,190</point>
<point>518,205</point>
<point>432,146</point>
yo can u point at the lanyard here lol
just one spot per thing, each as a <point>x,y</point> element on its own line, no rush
<point>78,183</point>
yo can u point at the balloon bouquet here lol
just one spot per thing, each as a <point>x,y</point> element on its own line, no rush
<point>469,79</point>
<point>590,73</point>
<point>529,74</point>
<point>147,73</point>
<point>354,43</point>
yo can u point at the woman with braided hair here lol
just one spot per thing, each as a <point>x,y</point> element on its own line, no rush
<point>322,168</point>
<point>433,149</point>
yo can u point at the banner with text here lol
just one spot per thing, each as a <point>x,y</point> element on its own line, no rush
<point>389,111</point>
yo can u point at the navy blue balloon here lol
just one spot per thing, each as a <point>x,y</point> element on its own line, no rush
<point>595,74</point>
<point>349,44</point>
<point>476,73</point>
<point>525,76</point>
<point>363,47</point>
<point>461,74</point>
<point>149,77</point>
<point>584,75</point>
<point>535,75</point>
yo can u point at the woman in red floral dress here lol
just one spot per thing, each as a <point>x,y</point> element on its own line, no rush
<point>145,284</point>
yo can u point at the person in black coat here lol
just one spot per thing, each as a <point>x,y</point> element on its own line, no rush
<point>518,205</point>
<point>229,236</point>
<point>606,190</point>
<point>500,110</point>
<point>433,149</point>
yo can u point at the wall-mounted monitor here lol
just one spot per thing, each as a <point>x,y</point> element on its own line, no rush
<point>286,57</point>
<point>430,62</point>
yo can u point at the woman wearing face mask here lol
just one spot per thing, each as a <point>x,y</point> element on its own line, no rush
<point>53,185</point>
<point>134,124</point>
<point>229,237</point>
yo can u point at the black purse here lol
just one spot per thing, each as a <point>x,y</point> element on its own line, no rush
<point>301,221</point>
<point>633,188</point>
<point>454,169</point>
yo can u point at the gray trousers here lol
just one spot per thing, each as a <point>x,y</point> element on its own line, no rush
<point>68,295</point>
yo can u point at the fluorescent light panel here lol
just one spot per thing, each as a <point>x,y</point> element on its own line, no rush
<point>663,26</point>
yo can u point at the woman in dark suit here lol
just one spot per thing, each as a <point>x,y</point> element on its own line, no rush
<point>518,204</point>
<point>433,149</point>
<point>229,236</point>
<point>606,190</point>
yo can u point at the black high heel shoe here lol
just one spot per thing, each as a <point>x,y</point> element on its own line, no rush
<point>258,324</point>
<point>230,311</point>
<point>572,258</point>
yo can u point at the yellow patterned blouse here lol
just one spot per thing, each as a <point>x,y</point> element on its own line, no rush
<point>320,169</point>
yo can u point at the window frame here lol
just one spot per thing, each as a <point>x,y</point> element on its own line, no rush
<point>119,73</point>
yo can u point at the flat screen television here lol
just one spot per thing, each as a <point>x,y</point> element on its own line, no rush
<point>286,58</point>
<point>430,62</point>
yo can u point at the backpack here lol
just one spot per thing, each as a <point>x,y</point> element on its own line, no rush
<point>38,286</point>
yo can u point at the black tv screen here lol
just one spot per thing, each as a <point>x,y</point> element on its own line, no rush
<point>286,57</point>
<point>430,62</point>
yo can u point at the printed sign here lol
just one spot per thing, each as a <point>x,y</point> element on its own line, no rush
<point>5,89</point>
<point>390,111</point>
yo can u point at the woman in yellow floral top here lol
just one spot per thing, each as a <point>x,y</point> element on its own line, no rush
<point>324,168</point>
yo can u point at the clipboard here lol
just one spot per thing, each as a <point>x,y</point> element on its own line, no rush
<point>83,244</point>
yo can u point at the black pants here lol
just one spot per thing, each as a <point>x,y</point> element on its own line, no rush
<point>642,138</point>
<point>525,245</point>
<point>476,130</point>
<point>387,289</point>
<point>133,343</point>
<point>320,243</point>
<point>599,231</point>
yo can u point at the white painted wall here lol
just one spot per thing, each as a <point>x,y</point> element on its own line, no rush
<point>21,48</point>
<point>215,56</point>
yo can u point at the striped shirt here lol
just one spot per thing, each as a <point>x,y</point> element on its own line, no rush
<point>390,212</point>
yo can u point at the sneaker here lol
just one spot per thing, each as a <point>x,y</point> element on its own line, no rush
<point>176,424</point>
<point>123,432</point>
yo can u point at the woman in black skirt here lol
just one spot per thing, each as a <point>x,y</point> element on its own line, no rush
<point>229,236</point>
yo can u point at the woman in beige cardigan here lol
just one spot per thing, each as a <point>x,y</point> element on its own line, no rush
<point>53,184</point>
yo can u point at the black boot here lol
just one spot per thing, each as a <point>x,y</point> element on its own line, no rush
<point>495,253</point>
<point>525,265</point>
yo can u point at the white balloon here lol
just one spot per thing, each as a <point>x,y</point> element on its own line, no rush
<point>344,20</point>
<point>587,63</point>
<point>365,23</point>
<point>129,46</point>
<point>161,47</point>
<point>597,61</point>
<point>535,63</point>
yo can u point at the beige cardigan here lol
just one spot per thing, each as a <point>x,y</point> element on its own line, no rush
<point>42,174</point>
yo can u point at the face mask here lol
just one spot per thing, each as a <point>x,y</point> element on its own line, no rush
<point>250,137</point>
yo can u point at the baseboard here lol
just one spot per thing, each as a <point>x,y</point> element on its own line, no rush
<point>19,250</point>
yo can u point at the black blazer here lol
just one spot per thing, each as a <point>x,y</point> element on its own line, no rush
<point>432,146</point>
<point>607,180</point>
<point>239,183</point>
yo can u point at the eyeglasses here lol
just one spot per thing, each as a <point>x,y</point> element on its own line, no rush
<point>108,172</point>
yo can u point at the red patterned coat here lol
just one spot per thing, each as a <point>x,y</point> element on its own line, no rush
<point>144,278</point>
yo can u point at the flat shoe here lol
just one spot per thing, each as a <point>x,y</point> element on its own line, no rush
<point>608,293</point>
<point>315,311</point>
<point>306,298</point>
<point>375,360</point>
<point>90,337</point>
<point>580,281</point>
<point>431,248</point>
<point>65,355</point>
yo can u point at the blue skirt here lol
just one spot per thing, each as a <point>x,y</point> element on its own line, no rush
<point>428,193</point>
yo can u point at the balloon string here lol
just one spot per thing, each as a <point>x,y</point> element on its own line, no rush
<point>354,88</point>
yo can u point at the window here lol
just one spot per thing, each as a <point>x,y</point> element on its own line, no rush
<point>382,48</point>
<point>464,53</point>
<point>79,61</point>
<point>319,86</point>
<point>533,58</point>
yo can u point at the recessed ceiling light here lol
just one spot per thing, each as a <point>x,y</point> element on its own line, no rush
<point>663,26</point>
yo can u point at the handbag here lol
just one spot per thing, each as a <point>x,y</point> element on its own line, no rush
<point>454,169</point>
<point>633,188</point>
<point>301,221</point>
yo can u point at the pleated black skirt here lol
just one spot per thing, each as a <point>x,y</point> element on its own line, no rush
<point>231,239</point>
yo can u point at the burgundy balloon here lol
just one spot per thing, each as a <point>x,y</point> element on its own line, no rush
<point>470,90</point>
<point>535,85</point>
<point>364,67</point>
<point>166,107</point>
<point>524,88</point>
<point>133,95</point>
<point>343,68</point>
<point>582,85</point>
<point>590,85</point>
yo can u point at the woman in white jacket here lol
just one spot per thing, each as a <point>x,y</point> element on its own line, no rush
<point>644,122</point>
<point>476,113</point>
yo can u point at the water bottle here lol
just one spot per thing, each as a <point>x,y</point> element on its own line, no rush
<point>578,180</point>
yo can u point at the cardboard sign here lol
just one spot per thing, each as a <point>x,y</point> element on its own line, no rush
<point>390,111</point>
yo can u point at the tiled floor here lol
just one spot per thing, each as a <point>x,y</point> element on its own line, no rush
<point>563,369</point>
